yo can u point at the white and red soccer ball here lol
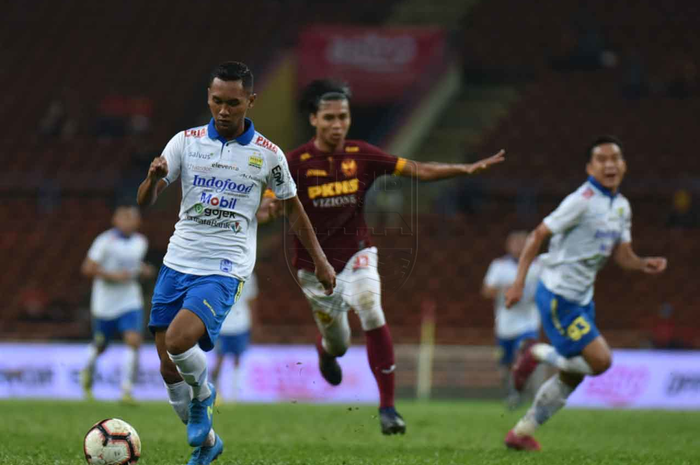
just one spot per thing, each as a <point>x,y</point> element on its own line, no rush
<point>112,442</point>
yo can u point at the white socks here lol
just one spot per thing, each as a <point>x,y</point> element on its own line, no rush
<point>192,366</point>
<point>236,375</point>
<point>130,369</point>
<point>550,398</point>
<point>548,354</point>
<point>180,396</point>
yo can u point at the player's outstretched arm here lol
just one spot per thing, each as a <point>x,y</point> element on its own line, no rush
<point>92,269</point>
<point>301,226</point>
<point>154,183</point>
<point>489,292</point>
<point>626,258</point>
<point>532,247</point>
<point>147,271</point>
<point>434,171</point>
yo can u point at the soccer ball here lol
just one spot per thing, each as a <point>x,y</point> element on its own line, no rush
<point>112,442</point>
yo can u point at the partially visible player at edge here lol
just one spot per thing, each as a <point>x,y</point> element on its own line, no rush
<point>519,324</point>
<point>333,175</point>
<point>224,168</point>
<point>115,264</point>
<point>235,334</point>
<point>587,228</point>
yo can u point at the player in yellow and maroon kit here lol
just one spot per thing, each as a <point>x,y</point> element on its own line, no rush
<point>332,175</point>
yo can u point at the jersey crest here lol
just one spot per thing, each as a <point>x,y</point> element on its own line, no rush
<point>349,167</point>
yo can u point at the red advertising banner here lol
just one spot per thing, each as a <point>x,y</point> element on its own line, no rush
<point>380,64</point>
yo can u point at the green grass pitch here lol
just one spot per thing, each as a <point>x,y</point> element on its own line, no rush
<point>439,433</point>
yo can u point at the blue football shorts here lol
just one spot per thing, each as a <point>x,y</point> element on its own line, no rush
<point>209,297</point>
<point>509,347</point>
<point>103,330</point>
<point>234,344</point>
<point>569,326</point>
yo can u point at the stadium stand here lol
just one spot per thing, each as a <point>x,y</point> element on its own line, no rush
<point>57,184</point>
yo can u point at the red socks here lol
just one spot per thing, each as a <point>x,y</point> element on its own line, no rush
<point>380,353</point>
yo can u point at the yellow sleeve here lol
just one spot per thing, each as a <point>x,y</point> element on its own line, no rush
<point>400,164</point>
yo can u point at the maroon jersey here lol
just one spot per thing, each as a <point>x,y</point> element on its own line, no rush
<point>332,188</point>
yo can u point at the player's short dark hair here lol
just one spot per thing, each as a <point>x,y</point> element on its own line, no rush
<point>322,90</point>
<point>123,202</point>
<point>233,71</point>
<point>600,140</point>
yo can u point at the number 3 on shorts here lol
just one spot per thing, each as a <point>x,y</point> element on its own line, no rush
<point>578,329</point>
<point>361,261</point>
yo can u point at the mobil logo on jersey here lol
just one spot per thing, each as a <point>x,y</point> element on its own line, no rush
<point>607,234</point>
<point>223,185</point>
<point>218,201</point>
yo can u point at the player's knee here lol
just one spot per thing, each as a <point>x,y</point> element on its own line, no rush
<point>372,318</point>
<point>132,340</point>
<point>601,363</point>
<point>365,301</point>
<point>368,307</point>
<point>176,342</point>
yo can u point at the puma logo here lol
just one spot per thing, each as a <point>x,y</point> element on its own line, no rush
<point>390,370</point>
<point>209,307</point>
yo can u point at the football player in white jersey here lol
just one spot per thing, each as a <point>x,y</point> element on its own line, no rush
<point>115,264</point>
<point>587,228</point>
<point>235,333</point>
<point>224,167</point>
<point>520,324</point>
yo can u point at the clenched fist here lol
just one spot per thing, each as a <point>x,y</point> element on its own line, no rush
<point>158,168</point>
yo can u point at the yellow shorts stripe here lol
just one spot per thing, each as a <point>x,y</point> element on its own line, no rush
<point>239,291</point>
<point>555,317</point>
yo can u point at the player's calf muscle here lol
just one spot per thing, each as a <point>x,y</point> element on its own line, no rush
<point>168,371</point>
<point>571,379</point>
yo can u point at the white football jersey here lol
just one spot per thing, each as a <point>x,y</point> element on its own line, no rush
<point>522,317</point>
<point>222,184</point>
<point>586,227</point>
<point>115,252</point>
<point>238,319</point>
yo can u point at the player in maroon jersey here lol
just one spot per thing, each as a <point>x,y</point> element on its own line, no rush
<point>333,175</point>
